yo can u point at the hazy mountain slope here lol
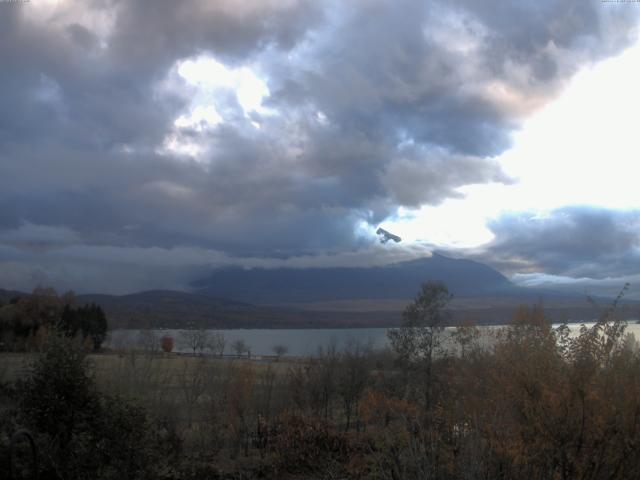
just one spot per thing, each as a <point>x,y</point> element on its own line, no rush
<point>398,281</point>
<point>332,297</point>
<point>171,309</point>
<point>6,295</point>
<point>168,309</point>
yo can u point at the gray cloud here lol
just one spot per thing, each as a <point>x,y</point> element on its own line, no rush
<point>120,270</point>
<point>571,242</point>
<point>409,182</point>
<point>377,105</point>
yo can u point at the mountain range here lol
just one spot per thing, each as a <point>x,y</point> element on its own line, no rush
<point>464,278</point>
<point>333,297</point>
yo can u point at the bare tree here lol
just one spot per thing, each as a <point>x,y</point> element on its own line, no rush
<point>279,351</point>
<point>240,347</point>
<point>466,337</point>
<point>148,341</point>
<point>217,344</point>
<point>353,378</point>
<point>192,383</point>
<point>240,395</point>
<point>318,378</point>
<point>195,339</point>
<point>419,338</point>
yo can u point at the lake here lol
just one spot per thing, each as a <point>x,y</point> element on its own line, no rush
<point>299,342</point>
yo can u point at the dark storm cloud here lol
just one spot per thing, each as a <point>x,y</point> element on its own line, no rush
<point>150,33</point>
<point>421,69</point>
<point>377,105</point>
<point>570,242</point>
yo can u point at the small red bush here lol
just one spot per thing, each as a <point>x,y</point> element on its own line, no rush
<point>166,343</point>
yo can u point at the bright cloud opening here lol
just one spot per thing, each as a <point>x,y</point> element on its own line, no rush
<point>209,76</point>
<point>211,83</point>
<point>581,149</point>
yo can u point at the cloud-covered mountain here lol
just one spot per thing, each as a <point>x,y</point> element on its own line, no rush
<point>333,297</point>
<point>464,278</point>
<point>580,249</point>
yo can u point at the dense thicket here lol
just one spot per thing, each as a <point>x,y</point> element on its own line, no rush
<point>26,322</point>
<point>530,402</point>
<point>80,432</point>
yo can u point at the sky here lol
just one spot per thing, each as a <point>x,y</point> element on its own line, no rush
<point>144,143</point>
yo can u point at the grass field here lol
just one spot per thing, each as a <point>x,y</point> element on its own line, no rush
<point>184,388</point>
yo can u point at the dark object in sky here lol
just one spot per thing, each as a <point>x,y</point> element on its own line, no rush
<point>386,236</point>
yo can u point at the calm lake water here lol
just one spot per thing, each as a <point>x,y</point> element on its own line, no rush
<point>299,342</point>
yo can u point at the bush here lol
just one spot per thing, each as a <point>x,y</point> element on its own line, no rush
<point>166,343</point>
<point>304,445</point>
<point>81,432</point>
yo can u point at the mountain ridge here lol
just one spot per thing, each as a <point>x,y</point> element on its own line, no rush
<point>400,280</point>
<point>333,297</point>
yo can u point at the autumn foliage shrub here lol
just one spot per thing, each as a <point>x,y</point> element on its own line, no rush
<point>304,445</point>
<point>166,343</point>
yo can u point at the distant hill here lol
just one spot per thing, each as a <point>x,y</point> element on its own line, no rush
<point>173,309</point>
<point>170,309</point>
<point>333,297</point>
<point>464,278</point>
<point>167,299</point>
<point>6,295</point>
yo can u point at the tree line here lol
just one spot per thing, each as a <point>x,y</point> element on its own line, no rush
<point>27,321</point>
